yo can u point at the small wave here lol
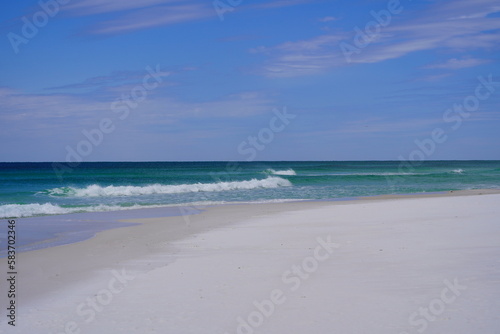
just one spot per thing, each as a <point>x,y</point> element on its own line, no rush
<point>367,174</point>
<point>111,191</point>
<point>288,172</point>
<point>385,174</point>
<point>36,209</point>
<point>458,171</point>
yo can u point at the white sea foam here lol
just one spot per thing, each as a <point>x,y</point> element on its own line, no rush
<point>36,209</point>
<point>458,171</point>
<point>367,174</point>
<point>381,174</point>
<point>288,172</point>
<point>110,191</point>
<point>46,209</point>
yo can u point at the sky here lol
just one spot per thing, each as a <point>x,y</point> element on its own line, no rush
<point>245,80</point>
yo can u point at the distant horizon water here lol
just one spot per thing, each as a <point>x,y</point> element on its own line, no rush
<point>30,189</point>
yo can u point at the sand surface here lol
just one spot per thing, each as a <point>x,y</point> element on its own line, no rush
<point>393,265</point>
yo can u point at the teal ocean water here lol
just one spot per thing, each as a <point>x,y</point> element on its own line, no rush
<point>40,189</point>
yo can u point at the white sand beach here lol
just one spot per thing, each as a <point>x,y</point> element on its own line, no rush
<point>413,264</point>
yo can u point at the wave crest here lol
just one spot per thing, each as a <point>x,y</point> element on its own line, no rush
<point>111,191</point>
<point>288,172</point>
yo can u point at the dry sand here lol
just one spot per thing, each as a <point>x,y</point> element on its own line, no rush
<point>386,265</point>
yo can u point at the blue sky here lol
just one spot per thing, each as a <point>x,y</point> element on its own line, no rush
<point>359,80</point>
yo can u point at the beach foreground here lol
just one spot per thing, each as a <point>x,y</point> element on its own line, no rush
<point>387,265</point>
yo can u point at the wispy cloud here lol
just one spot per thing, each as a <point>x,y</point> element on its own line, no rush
<point>384,126</point>
<point>435,77</point>
<point>301,58</point>
<point>90,7</point>
<point>455,64</point>
<point>118,17</point>
<point>457,26</point>
<point>116,78</point>
<point>327,19</point>
<point>238,38</point>
<point>20,110</point>
<point>153,17</point>
<point>129,15</point>
<point>280,4</point>
<point>169,110</point>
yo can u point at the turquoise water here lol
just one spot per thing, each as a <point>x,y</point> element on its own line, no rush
<point>37,189</point>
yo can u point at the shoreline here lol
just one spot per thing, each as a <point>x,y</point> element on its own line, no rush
<point>87,225</point>
<point>247,248</point>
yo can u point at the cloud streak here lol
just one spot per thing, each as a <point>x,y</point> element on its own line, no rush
<point>91,7</point>
<point>119,17</point>
<point>455,64</point>
<point>70,111</point>
<point>459,27</point>
<point>152,17</point>
<point>115,78</point>
<point>280,4</point>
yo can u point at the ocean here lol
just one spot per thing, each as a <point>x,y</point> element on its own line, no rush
<point>54,204</point>
<point>40,189</point>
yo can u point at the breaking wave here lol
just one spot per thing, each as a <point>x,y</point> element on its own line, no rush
<point>288,172</point>
<point>36,209</point>
<point>111,191</point>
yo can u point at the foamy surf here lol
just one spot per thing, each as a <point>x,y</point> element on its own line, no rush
<point>47,209</point>
<point>367,174</point>
<point>36,209</point>
<point>110,191</point>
